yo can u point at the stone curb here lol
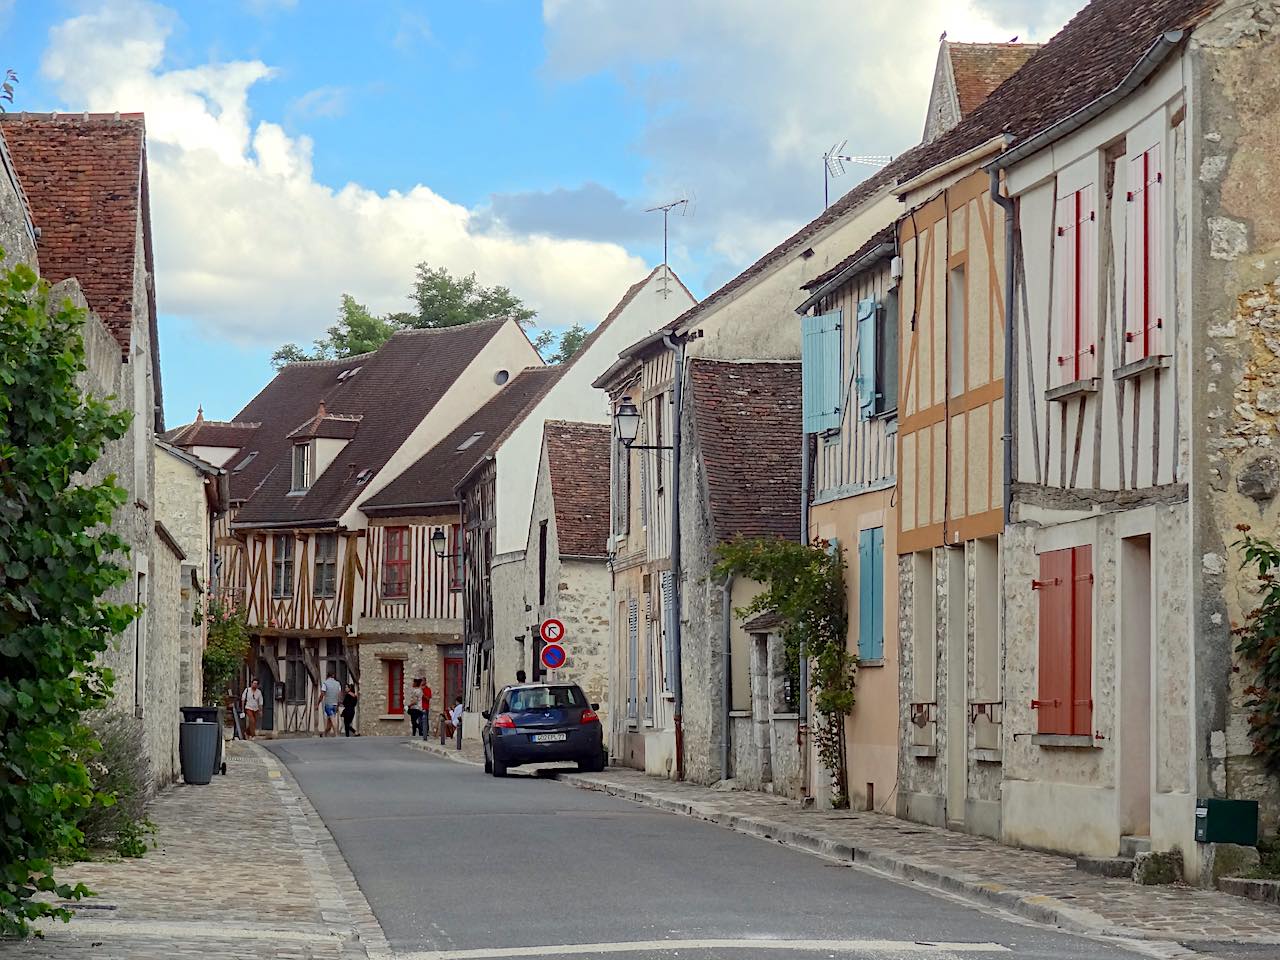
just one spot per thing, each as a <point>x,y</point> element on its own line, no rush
<point>1036,907</point>
<point>448,753</point>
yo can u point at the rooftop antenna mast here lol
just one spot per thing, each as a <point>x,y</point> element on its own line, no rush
<point>683,206</point>
<point>833,162</point>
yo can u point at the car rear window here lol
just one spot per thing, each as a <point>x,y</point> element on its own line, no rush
<point>544,698</point>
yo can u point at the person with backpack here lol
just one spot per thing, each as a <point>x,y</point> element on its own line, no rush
<point>414,709</point>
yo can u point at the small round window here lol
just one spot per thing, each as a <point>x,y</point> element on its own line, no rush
<point>501,377</point>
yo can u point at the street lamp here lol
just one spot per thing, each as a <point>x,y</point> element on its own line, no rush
<point>439,545</point>
<point>626,419</point>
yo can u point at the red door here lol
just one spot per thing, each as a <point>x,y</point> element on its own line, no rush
<point>453,674</point>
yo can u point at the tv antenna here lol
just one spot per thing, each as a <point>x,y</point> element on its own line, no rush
<point>833,162</point>
<point>683,205</point>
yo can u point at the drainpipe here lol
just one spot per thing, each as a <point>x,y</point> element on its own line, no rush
<point>804,653</point>
<point>676,345</point>
<point>1010,339</point>
<point>726,614</point>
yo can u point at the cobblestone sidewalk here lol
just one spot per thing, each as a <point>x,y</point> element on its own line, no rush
<point>1039,886</point>
<point>243,868</point>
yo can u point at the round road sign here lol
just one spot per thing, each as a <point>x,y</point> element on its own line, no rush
<point>553,656</point>
<point>552,630</point>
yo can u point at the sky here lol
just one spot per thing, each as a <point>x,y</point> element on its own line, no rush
<point>302,149</point>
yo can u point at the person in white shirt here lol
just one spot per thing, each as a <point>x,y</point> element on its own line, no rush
<point>252,700</point>
<point>330,694</point>
<point>455,717</point>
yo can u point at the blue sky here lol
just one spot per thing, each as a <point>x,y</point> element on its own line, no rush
<point>304,148</point>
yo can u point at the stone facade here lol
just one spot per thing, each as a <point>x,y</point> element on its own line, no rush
<point>418,655</point>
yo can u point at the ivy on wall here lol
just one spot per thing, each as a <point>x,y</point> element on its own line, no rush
<point>58,558</point>
<point>1258,643</point>
<point>804,585</point>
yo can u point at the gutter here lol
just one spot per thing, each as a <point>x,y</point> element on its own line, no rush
<point>1156,55</point>
<point>958,162</point>
<point>726,620</point>
<point>676,345</point>
<point>803,698</point>
<point>374,510</point>
<point>881,252</point>
<point>1010,337</point>
<point>288,524</point>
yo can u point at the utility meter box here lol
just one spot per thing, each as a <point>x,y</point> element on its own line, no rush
<point>1227,821</point>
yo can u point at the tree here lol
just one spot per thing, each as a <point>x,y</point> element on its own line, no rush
<point>58,559</point>
<point>570,343</point>
<point>439,300</point>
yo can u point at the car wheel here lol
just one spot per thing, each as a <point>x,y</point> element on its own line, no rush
<point>499,768</point>
<point>488,764</point>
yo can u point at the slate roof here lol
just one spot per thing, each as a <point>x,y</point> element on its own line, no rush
<point>767,621</point>
<point>978,68</point>
<point>578,459</point>
<point>396,387</point>
<point>1089,57</point>
<point>430,481</point>
<point>747,427</point>
<point>83,175</point>
<point>888,235</point>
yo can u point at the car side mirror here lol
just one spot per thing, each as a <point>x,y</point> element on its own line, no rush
<point>595,706</point>
<point>485,714</point>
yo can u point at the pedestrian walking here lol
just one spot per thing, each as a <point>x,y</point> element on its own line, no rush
<point>426,709</point>
<point>414,708</point>
<point>349,701</point>
<point>456,717</point>
<point>252,701</point>
<point>521,676</point>
<point>330,695</point>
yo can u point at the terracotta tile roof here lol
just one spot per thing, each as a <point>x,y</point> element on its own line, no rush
<point>431,480</point>
<point>396,387</point>
<point>1089,57</point>
<point>888,235</point>
<point>212,433</point>
<point>764,622</point>
<point>747,430</point>
<point>978,68</point>
<point>578,458</point>
<point>84,180</point>
<point>328,426</point>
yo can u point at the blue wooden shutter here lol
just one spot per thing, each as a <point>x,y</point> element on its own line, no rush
<point>866,586</point>
<point>822,365</point>
<point>877,594</point>
<point>867,386</point>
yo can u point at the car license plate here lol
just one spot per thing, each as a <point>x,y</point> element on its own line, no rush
<point>549,737</point>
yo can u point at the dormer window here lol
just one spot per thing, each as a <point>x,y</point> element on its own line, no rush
<point>303,462</point>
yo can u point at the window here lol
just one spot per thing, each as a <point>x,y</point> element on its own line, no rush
<point>335,661</point>
<point>1145,258</point>
<point>456,567</point>
<point>302,462</point>
<point>326,572</point>
<point>394,670</point>
<point>957,295</point>
<point>1075,306</point>
<point>986,620</point>
<point>295,673</point>
<point>282,566</point>
<point>822,371</point>
<point>633,657</point>
<point>544,698</point>
<point>1065,702</point>
<point>887,354</point>
<point>470,441</point>
<point>140,645</point>
<point>542,563</point>
<point>924,635</point>
<point>621,487</point>
<point>395,563</point>
<point>871,594</point>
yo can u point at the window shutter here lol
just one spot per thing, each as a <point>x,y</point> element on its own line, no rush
<point>1146,252</point>
<point>1055,668</point>
<point>887,348</point>
<point>669,613</point>
<point>868,388</point>
<point>821,360</point>
<point>1082,641</point>
<point>1087,286</point>
<point>1064,287</point>
<point>644,492</point>
<point>633,646</point>
<point>1157,253</point>
<point>866,589</point>
<point>877,594</point>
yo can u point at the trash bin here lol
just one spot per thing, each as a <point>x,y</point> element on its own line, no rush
<point>198,744</point>
<point>212,715</point>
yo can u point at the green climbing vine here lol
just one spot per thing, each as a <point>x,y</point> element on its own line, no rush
<point>1258,643</point>
<point>804,585</point>
<point>225,650</point>
<point>58,558</point>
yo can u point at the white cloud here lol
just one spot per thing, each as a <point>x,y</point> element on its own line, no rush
<point>743,96</point>
<point>248,244</point>
<point>324,101</point>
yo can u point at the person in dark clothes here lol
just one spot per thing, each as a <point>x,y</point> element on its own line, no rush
<point>520,676</point>
<point>349,701</point>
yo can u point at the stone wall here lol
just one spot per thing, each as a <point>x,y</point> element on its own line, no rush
<point>421,656</point>
<point>183,508</point>
<point>163,669</point>
<point>1235,250</point>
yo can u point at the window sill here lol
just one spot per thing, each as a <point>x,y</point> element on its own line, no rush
<point>395,600</point>
<point>739,713</point>
<point>1139,367</point>
<point>392,716</point>
<point>785,716</point>
<point>1077,388</point>
<point>296,493</point>
<point>1076,741</point>
<point>924,753</point>
<point>987,755</point>
<point>878,662</point>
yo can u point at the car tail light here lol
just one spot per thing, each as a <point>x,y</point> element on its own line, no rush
<point>589,716</point>
<point>504,720</point>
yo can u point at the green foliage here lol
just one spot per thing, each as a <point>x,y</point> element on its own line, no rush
<point>58,557</point>
<point>439,299</point>
<point>558,352</point>
<point>804,585</point>
<point>1258,642</point>
<point>225,651</point>
<point>116,819</point>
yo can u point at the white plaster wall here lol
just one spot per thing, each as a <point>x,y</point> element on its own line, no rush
<point>218,456</point>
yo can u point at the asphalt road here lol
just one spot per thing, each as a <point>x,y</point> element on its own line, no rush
<point>452,860</point>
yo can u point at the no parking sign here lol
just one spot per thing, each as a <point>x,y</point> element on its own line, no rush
<point>553,656</point>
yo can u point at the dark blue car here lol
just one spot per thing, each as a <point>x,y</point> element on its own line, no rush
<point>541,723</point>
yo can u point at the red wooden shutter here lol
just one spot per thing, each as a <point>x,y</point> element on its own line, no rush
<point>1146,257</point>
<point>1135,269</point>
<point>1157,253</point>
<point>1075,290</point>
<point>1082,641</point>
<point>1054,586</point>
<point>1064,289</point>
<point>1086,283</point>
<point>395,686</point>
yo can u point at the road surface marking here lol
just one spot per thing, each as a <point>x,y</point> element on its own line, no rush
<point>891,947</point>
